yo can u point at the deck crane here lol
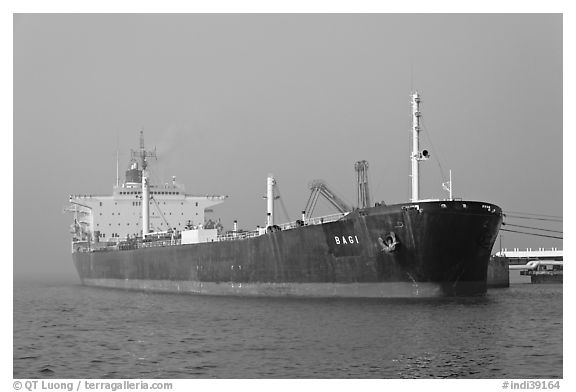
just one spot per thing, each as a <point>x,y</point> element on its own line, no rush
<point>361,168</point>
<point>319,187</point>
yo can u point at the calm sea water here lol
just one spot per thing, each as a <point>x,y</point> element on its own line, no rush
<point>65,330</point>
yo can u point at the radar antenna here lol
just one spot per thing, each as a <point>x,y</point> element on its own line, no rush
<point>142,155</point>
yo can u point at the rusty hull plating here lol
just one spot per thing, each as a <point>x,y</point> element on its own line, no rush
<point>431,248</point>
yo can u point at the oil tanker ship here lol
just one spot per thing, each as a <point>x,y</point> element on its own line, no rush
<point>159,238</point>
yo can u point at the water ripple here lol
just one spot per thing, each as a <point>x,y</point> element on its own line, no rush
<point>71,331</point>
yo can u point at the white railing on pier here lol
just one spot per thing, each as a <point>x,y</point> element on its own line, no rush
<point>530,253</point>
<point>534,264</point>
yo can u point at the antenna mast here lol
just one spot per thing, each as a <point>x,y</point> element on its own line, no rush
<point>416,155</point>
<point>142,154</point>
<point>270,200</point>
<point>448,186</point>
<point>117,172</point>
<point>451,197</point>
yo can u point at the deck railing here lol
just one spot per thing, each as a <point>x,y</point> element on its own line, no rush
<point>226,237</point>
<point>238,235</point>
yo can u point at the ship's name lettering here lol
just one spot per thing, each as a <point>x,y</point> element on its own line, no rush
<point>345,240</point>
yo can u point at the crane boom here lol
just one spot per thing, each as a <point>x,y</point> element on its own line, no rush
<point>361,168</point>
<point>319,187</point>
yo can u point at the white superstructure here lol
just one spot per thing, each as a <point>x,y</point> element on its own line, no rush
<point>119,216</point>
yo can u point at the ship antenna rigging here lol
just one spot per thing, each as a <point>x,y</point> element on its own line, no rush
<point>446,185</point>
<point>284,210</point>
<point>160,211</point>
<point>117,170</point>
<point>117,160</point>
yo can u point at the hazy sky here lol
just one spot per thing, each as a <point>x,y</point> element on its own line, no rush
<point>227,99</point>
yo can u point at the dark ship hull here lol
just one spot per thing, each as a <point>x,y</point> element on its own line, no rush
<point>431,248</point>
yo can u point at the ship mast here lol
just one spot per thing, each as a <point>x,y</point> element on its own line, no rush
<point>142,155</point>
<point>117,170</point>
<point>270,200</point>
<point>416,155</point>
<point>145,205</point>
<point>448,186</point>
